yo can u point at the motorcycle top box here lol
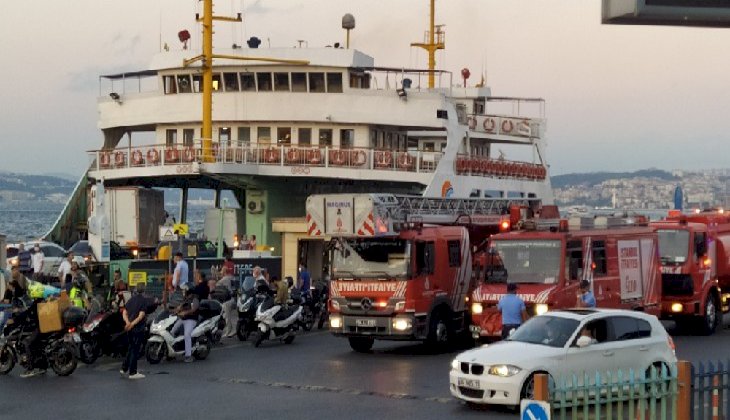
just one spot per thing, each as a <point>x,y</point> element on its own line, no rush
<point>73,317</point>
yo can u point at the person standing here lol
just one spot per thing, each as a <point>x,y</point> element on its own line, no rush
<point>180,275</point>
<point>78,294</point>
<point>229,306</point>
<point>304,281</point>
<point>228,265</point>
<point>201,288</point>
<point>134,315</point>
<point>24,262</point>
<point>64,270</point>
<point>513,310</point>
<point>37,262</point>
<point>585,297</point>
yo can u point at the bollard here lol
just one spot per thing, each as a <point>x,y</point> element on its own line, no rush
<point>541,387</point>
<point>684,383</point>
<point>716,397</point>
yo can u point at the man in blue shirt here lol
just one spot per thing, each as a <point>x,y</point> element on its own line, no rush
<point>585,298</point>
<point>513,310</point>
<point>304,280</point>
<point>180,275</point>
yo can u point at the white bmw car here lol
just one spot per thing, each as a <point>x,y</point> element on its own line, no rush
<point>560,343</point>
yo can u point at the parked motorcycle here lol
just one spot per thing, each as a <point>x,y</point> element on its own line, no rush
<point>248,301</point>
<point>162,344</point>
<point>276,323</point>
<point>320,296</point>
<point>55,349</point>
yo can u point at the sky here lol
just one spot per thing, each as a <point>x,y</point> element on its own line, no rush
<point>618,97</point>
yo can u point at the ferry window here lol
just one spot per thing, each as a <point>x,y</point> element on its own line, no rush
<point>244,134</point>
<point>316,82</point>
<point>299,82</point>
<point>454,253</point>
<point>197,83</point>
<point>170,86</point>
<point>231,81</point>
<point>360,80</point>
<point>305,136</point>
<point>574,260</point>
<point>425,257</point>
<point>264,81</point>
<point>334,82</point>
<point>170,138</point>
<point>347,138</point>
<point>325,137</point>
<point>474,194</point>
<point>515,194</point>
<point>183,82</point>
<point>493,194</point>
<point>428,146</point>
<point>188,135</point>
<point>216,82</point>
<point>599,258</point>
<point>224,135</point>
<point>264,135</point>
<point>248,82</point>
<point>281,82</point>
<point>283,135</point>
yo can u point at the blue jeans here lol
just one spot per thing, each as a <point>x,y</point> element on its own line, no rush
<point>189,326</point>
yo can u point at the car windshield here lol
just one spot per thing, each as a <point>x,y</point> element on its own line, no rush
<point>371,257</point>
<point>80,248</point>
<point>547,330</point>
<point>673,245</point>
<point>526,261</point>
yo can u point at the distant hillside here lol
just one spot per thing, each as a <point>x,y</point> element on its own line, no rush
<point>595,178</point>
<point>40,185</point>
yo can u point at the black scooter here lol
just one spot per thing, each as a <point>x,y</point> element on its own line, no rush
<point>249,298</point>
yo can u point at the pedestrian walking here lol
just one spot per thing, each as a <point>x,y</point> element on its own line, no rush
<point>513,310</point>
<point>24,262</point>
<point>37,260</point>
<point>134,315</point>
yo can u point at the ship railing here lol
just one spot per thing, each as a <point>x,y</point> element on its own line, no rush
<point>500,168</point>
<point>243,153</point>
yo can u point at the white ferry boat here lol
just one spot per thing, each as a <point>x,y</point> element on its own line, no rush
<point>290,122</point>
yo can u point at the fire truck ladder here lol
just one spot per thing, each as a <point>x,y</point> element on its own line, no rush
<point>403,208</point>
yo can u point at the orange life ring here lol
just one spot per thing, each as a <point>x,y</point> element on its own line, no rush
<point>489,124</point>
<point>485,165</point>
<point>542,172</point>
<point>475,166</point>
<point>337,157</point>
<point>461,165</point>
<point>172,155</point>
<point>472,123</point>
<point>104,159</point>
<point>383,159</point>
<point>406,161</point>
<point>292,155</point>
<point>491,167</point>
<point>119,158</point>
<point>507,126</point>
<point>153,156</point>
<point>314,156</point>
<point>271,155</point>
<point>189,154</point>
<point>137,158</point>
<point>358,158</point>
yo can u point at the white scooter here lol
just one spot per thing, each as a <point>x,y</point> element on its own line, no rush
<point>162,344</point>
<point>276,323</point>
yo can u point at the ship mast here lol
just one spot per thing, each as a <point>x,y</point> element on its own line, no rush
<point>207,66</point>
<point>435,43</point>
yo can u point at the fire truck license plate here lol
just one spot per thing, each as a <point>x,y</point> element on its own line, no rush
<point>365,322</point>
<point>469,383</point>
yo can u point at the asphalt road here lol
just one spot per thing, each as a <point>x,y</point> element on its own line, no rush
<point>316,377</point>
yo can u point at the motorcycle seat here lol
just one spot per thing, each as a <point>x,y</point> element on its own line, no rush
<point>285,313</point>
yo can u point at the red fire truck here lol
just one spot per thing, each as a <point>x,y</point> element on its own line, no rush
<point>401,266</point>
<point>548,258</point>
<point>695,265</point>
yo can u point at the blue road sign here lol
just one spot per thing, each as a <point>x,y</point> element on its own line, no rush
<point>534,410</point>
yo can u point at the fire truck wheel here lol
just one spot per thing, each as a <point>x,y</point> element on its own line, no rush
<point>439,331</point>
<point>361,344</point>
<point>709,317</point>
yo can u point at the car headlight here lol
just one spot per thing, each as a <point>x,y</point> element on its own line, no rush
<point>504,371</point>
<point>14,261</point>
<point>541,308</point>
<point>335,322</point>
<point>401,324</point>
<point>477,308</point>
<point>455,364</point>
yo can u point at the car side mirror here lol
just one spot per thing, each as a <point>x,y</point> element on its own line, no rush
<point>583,341</point>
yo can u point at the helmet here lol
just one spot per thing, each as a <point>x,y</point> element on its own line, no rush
<point>35,290</point>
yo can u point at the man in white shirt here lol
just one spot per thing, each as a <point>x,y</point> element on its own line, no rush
<point>64,270</point>
<point>37,262</point>
<point>180,275</point>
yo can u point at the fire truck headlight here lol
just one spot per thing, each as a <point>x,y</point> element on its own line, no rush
<point>477,308</point>
<point>677,307</point>
<point>541,308</point>
<point>335,322</point>
<point>401,324</point>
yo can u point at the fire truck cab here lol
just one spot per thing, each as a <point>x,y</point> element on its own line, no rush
<point>695,264</point>
<point>548,259</point>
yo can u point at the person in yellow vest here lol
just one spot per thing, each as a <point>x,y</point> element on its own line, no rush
<point>78,295</point>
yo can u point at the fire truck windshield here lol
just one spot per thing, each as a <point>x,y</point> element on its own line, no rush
<point>371,258</point>
<point>673,246</point>
<point>527,261</point>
